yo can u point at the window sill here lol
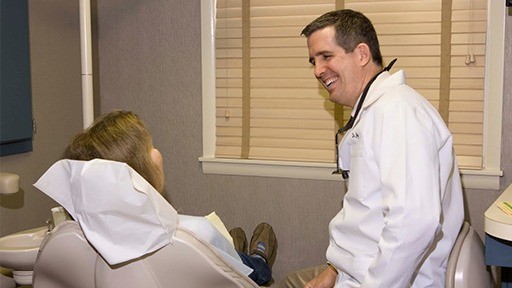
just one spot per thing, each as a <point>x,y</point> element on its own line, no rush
<point>471,179</point>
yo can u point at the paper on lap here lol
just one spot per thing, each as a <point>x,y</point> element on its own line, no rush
<point>217,222</point>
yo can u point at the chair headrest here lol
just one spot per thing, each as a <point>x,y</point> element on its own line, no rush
<point>120,213</point>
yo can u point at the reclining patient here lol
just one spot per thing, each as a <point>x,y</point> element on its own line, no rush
<point>110,182</point>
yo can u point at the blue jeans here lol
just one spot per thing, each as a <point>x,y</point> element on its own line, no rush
<point>262,273</point>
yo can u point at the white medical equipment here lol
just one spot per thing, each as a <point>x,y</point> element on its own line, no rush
<point>66,259</point>
<point>125,235</point>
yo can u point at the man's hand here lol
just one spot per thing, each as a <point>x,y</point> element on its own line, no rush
<point>326,279</point>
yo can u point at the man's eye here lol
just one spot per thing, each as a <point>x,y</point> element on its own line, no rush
<point>326,57</point>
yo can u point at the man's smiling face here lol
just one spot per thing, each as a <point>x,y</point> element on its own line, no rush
<point>339,72</point>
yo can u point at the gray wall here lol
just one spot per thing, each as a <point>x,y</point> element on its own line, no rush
<point>148,60</point>
<point>56,101</point>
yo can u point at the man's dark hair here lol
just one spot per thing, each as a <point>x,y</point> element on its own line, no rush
<point>351,28</point>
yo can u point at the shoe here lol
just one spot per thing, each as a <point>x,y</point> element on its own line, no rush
<point>239,239</point>
<point>264,243</point>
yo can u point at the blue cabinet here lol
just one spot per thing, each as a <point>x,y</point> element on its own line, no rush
<point>498,252</point>
<point>15,89</point>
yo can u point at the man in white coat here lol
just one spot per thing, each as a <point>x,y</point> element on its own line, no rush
<point>403,208</point>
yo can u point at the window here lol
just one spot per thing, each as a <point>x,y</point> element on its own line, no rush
<point>267,99</point>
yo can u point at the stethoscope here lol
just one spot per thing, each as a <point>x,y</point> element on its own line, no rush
<point>350,123</point>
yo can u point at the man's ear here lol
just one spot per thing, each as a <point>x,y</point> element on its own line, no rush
<point>363,53</point>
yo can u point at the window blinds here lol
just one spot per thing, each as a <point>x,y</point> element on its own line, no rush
<point>269,106</point>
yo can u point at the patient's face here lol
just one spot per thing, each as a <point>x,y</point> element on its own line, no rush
<point>158,160</point>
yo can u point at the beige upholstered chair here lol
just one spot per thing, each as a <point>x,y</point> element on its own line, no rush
<point>66,259</point>
<point>466,264</point>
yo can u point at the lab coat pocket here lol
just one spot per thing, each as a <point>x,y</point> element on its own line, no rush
<point>355,142</point>
<point>355,154</point>
<point>350,149</point>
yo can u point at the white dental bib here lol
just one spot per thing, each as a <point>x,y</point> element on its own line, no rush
<point>120,213</point>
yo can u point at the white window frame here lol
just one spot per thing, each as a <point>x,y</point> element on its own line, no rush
<point>486,178</point>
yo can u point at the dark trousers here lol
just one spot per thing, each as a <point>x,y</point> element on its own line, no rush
<point>262,273</point>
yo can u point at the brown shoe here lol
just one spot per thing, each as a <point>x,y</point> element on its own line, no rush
<point>264,243</point>
<point>239,239</point>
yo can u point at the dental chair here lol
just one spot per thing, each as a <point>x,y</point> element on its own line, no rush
<point>125,235</point>
<point>66,259</point>
<point>466,265</point>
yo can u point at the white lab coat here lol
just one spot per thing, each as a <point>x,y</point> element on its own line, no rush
<point>403,208</point>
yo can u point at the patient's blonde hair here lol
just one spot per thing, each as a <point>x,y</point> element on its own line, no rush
<point>119,136</point>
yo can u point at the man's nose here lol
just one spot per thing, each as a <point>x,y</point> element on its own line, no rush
<point>319,70</point>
